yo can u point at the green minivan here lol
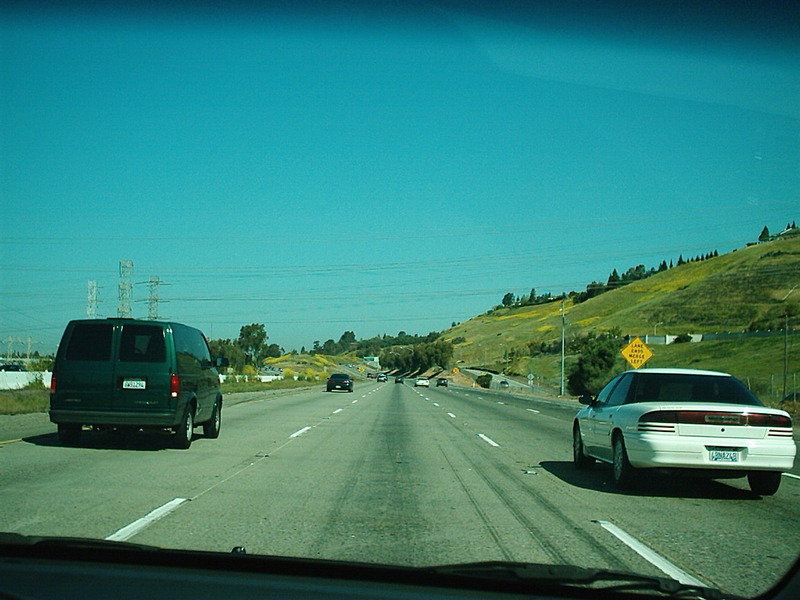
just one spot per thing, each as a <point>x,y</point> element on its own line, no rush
<point>129,374</point>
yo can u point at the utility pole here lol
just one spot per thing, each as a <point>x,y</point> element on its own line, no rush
<point>786,344</point>
<point>785,354</point>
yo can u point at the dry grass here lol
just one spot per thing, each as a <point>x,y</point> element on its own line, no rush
<point>17,402</point>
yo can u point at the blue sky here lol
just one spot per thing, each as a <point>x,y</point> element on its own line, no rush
<point>371,171</point>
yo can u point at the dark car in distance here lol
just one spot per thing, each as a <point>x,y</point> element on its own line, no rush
<point>340,381</point>
<point>398,379</point>
<point>441,382</point>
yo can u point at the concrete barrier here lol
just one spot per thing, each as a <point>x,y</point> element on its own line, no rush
<point>15,380</point>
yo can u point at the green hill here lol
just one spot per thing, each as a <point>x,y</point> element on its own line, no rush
<point>750,289</point>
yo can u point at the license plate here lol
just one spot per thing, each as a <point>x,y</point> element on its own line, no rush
<point>134,384</point>
<point>728,456</point>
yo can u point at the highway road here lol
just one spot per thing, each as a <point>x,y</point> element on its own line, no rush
<point>396,474</point>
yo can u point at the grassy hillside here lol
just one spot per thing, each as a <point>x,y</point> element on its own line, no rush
<point>749,289</point>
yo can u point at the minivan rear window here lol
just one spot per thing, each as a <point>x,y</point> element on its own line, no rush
<point>90,341</point>
<point>142,343</point>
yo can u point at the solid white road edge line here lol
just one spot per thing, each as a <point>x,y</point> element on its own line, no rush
<point>792,475</point>
<point>651,555</point>
<point>488,440</point>
<point>131,530</point>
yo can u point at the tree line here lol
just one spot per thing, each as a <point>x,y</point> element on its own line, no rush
<point>250,348</point>
<point>595,288</point>
<point>371,346</point>
<point>418,352</point>
<point>418,357</point>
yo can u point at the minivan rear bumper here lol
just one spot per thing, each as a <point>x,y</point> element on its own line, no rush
<point>112,418</point>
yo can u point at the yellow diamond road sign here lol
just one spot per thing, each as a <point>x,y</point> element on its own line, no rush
<point>637,353</point>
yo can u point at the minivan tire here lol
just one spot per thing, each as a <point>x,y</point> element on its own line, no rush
<point>212,427</point>
<point>183,434</point>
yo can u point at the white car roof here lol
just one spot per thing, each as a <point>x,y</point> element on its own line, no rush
<point>680,372</point>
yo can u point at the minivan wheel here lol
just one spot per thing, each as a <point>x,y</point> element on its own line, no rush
<point>183,435</point>
<point>69,434</point>
<point>764,483</point>
<point>211,429</point>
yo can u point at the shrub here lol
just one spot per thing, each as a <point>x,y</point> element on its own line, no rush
<point>595,365</point>
<point>484,380</point>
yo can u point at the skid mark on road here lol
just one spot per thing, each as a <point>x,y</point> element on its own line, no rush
<point>487,522</point>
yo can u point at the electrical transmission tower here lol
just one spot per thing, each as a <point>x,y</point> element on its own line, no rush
<point>91,299</point>
<point>125,287</point>
<point>153,300</point>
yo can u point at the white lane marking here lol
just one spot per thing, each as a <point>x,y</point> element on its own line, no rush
<point>451,415</point>
<point>131,530</point>
<point>338,410</point>
<point>299,432</point>
<point>436,404</point>
<point>354,401</point>
<point>792,475</point>
<point>488,440</point>
<point>651,555</point>
<point>533,411</point>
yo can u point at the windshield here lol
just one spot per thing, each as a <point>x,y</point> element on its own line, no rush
<point>499,196</point>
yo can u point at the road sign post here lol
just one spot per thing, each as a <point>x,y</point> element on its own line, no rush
<point>637,353</point>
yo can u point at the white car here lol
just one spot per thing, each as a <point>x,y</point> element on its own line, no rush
<point>703,421</point>
<point>424,381</point>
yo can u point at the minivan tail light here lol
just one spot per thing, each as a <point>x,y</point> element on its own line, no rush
<point>53,383</point>
<point>174,385</point>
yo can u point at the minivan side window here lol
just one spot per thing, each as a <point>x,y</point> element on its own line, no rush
<point>203,351</point>
<point>191,346</point>
<point>90,341</point>
<point>186,361</point>
<point>142,343</point>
